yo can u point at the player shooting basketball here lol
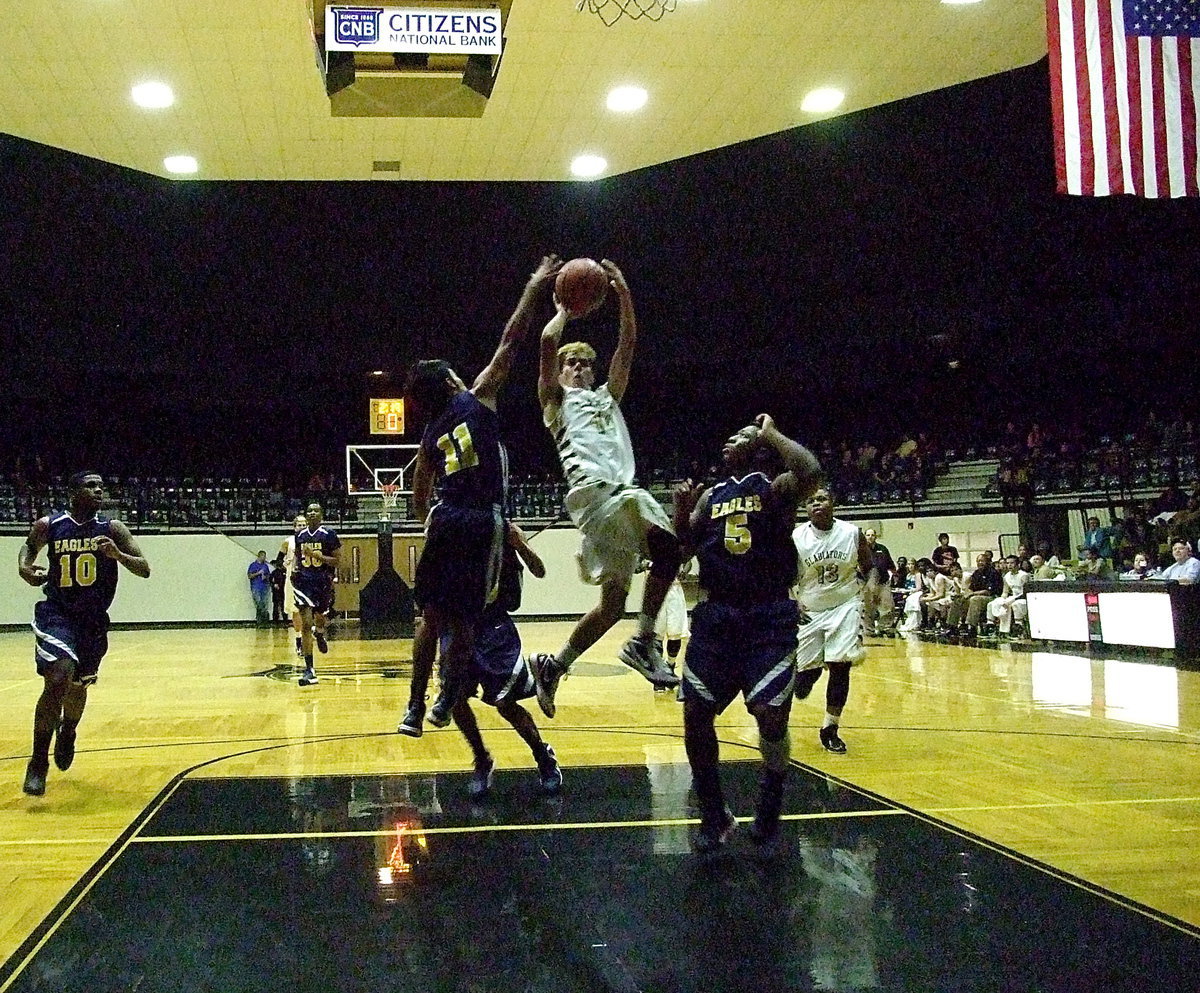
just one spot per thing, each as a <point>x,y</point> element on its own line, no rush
<point>621,523</point>
<point>462,460</point>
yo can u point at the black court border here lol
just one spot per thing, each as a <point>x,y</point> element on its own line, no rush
<point>16,962</point>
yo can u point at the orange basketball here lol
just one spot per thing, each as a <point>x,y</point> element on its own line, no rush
<point>581,286</point>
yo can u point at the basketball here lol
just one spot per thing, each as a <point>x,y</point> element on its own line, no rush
<point>581,286</point>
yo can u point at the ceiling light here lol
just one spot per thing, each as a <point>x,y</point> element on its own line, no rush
<point>152,95</point>
<point>627,98</point>
<point>822,100</point>
<point>180,164</point>
<point>587,166</point>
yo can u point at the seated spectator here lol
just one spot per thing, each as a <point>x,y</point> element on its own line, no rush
<point>1185,570</point>
<point>1010,605</point>
<point>1141,568</point>
<point>935,600</point>
<point>1043,571</point>
<point>918,573</point>
<point>1046,552</point>
<point>1094,567</point>
<point>983,586</point>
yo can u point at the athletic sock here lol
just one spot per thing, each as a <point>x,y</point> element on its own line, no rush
<point>566,657</point>
<point>830,720</point>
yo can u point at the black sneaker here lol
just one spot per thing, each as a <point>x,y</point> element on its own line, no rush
<point>481,778</point>
<point>665,689</point>
<point>711,838</point>
<point>440,712</point>
<point>764,831</point>
<point>35,778</point>
<point>643,653</point>
<point>309,678</point>
<point>546,675</point>
<point>322,644</point>
<point>831,741</point>
<point>64,748</point>
<point>549,773</point>
<point>411,722</point>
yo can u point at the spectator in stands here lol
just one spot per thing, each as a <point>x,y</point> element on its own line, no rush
<point>1170,501</point>
<point>1141,568</point>
<point>915,585</point>
<point>259,574</point>
<point>1010,605</point>
<point>983,586</point>
<point>1098,538</point>
<point>935,598</point>
<point>945,555</point>
<point>1138,534</point>
<point>1046,551</point>
<point>1185,570</point>
<point>879,615</point>
<point>1043,571</point>
<point>1094,566</point>
<point>1035,441</point>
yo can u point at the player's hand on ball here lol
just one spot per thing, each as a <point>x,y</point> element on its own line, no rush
<point>547,269</point>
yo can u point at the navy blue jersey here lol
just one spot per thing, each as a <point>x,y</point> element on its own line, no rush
<point>308,541</point>
<point>462,446</point>
<point>82,579</point>
<point>744,544</point>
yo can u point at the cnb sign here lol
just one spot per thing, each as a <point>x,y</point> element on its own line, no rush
<point>404,29</point>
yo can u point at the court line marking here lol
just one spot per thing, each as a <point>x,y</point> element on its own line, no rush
<point>492,828</point>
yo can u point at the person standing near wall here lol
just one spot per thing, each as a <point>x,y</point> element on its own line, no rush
<point>259,575</point>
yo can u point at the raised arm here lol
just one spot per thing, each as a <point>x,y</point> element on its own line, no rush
<point>622,360</point>
<point>122,547</point>
<point>27,555</point>
<point>802,471</point>
<point>487,384</point>
<point>550,391</point>
<point>689,507</point>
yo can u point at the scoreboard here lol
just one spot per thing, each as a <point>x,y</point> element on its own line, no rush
<point>387,416</point>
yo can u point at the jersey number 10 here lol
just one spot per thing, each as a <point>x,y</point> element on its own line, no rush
<point>79,570</point>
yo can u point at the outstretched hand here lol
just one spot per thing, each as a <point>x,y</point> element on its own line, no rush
<point>616,278</point>
<point>766,426</point>
<point>685,495</point>
<point>547,270</point>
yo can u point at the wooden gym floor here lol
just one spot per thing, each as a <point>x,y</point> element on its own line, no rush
<point>1005,819</point>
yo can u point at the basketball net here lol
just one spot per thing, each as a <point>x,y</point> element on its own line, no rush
<point>391,496</point>
<point>611,11</point>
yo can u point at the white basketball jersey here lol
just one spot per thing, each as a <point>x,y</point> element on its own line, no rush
<point>289,554</point>
<point>592,439</point>
<point>828,564</point>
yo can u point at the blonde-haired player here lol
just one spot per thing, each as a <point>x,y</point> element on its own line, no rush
<point>621,523</point>
<point>832,556</point>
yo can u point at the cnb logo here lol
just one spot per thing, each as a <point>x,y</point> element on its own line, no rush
<point>356,25</point>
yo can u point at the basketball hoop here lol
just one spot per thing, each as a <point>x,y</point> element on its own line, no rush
<point>391,495</point>
<point>611,11</point>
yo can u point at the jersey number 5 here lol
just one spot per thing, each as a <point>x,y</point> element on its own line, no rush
<point>458,448</point>
<point>737,534</point>
<point>79,570</point>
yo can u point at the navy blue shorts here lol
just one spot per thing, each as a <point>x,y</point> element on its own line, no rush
<point>80,640</point>
<point>741,649</point>
<point>315,591</point>
<point>498,670</point>
<point>459,568</point>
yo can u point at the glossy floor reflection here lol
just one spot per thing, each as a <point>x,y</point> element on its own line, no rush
<point>398,882</point>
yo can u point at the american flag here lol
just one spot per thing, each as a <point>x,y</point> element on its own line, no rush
<point>1125,87</point>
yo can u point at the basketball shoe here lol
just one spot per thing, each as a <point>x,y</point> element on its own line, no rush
<point>35,778</point>
<point>643,653</point>
<point>549,773</point>
<point>410,724</point>
<point>546,675</point>
<point>831,741</point>
<point>309,678</point>
<point>322,644</point>
<point>64,747</point>
<point>711,838</point>
<point>481,778</point>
